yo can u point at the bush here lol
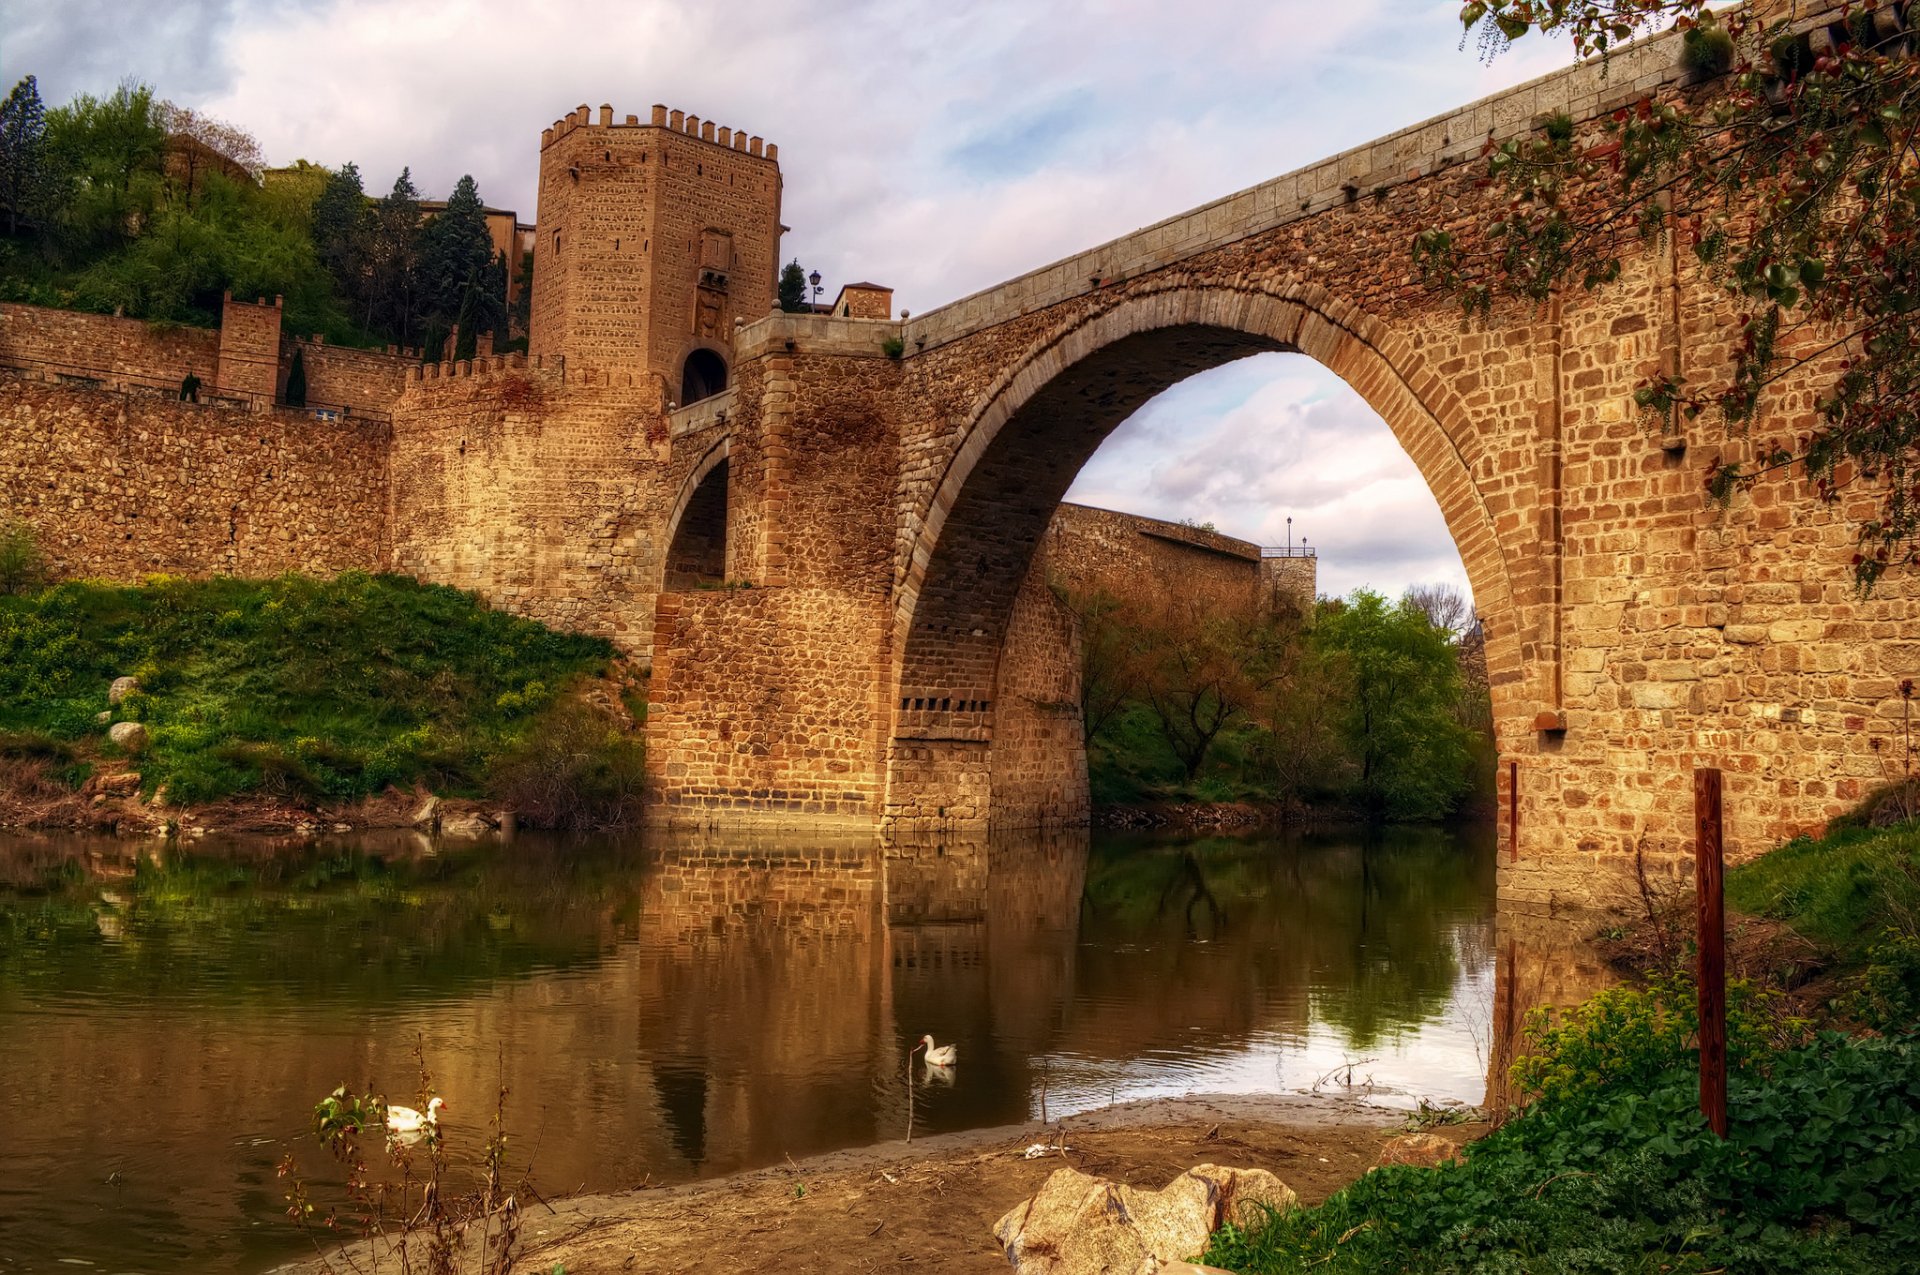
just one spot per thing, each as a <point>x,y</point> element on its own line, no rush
<point>1707,50</point>
<point>21,566</point>
<point>574,769</point>
<point>1819,1173</point>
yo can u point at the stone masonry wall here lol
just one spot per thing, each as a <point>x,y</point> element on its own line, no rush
<point>545,491</point>
<point>1039,760</point>
<point>762,704</point>
<point>653,240</point>
<point>250,351</point>
<point>1126,556</point>
<point>362,381</point>
<point>117,486</point>
<point>129,353</point>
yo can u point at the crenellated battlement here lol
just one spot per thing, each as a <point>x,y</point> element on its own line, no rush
<point>674,121</point>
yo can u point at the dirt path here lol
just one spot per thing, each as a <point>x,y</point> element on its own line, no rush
<point>931,1206</point>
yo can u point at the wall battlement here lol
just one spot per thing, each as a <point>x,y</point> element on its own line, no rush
<point>674,121</point>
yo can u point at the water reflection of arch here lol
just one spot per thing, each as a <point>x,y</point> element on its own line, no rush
<point>761,961</point>
<point>980,937</point>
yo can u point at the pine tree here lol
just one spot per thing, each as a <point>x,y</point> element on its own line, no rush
<point>23,135</point>
<point>793,287</point>
<point>459,283</point>
<point>394,263</point>
<point>342,228</point>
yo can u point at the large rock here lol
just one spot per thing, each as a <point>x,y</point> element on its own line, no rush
<point>1422,1150</point>
<point>121,688</point>
<point>1082,1225</point>
<point>131,736</point>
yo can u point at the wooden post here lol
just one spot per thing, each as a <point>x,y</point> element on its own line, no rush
<point>1710,887</point>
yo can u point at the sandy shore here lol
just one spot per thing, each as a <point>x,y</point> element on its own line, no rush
<point>931,1204</point>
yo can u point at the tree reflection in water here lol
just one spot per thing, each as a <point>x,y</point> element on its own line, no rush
<point>683,1006</point>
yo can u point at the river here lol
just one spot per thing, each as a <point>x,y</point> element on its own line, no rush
<point>667,1007</point>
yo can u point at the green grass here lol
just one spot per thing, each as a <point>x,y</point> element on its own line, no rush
<point>323,688</point>
<point>1844,891</point>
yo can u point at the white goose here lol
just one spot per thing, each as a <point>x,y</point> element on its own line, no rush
<point>938,1055</point>
<point>407,1120</point>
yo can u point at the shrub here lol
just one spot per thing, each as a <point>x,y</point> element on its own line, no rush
<point>22,568</point>
<point>1706,50</point>
<point>1818,1173</point>
<point>575,768</point>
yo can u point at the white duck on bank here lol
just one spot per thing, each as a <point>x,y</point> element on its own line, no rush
<point>938,1055</point>
<point>407,1120</point>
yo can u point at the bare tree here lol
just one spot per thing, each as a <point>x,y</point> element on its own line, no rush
<point>1447,609</point>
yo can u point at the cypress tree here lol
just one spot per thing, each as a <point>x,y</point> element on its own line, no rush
<point>297,381</point>
<point>459,283</point>
<point>23,136</point>
<point>793,287</point>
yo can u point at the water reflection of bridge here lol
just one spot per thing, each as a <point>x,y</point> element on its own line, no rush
<point>693,1006</point>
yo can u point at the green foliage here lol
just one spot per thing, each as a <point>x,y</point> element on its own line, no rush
<point>1626,1038</point>
<point>23,155</point>
<point>1856,892</point>
<point>792,291</point>
<point>460,281</point>
<point>1707,50</point>
<point>1819,1173</point>
<point>893,347</point>
<point>1358,703</point>
<point>341,225</point>
<point>104,164</point>
<point>1401,686</point>
<point>313,688</point>
<point>21,566</point>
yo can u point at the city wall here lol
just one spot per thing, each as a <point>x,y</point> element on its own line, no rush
<point>116,486</point>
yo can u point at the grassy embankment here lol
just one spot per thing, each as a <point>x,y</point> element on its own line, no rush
<point>1613,1169</point>
<point>311,691</point>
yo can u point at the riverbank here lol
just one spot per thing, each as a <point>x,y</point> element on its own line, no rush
<point>931,1204</point>
<point>297,704</point>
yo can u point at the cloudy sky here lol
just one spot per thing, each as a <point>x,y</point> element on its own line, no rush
<point>939,148</point>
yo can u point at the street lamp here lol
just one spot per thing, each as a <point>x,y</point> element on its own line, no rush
<point>814,279</point>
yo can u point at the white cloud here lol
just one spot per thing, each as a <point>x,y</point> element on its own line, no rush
<point>939,148</point>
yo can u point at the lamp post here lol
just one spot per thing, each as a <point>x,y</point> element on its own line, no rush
<point>814,279</point>
<point>1289,537</point>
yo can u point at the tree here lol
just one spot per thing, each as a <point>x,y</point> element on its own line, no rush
<point>23,161</point>
<point>1199,673</point>
<point>343,230</point>
<point>393,263</point>
<point>460,282</point>
<point>1400,684</point>
<point>104,160</point>
<point>208,139</point>
<point>793,288</point>
<point>1445,607</point>
<point>1791,177</point>
<point>1109,658</point>
<point>296,395</point>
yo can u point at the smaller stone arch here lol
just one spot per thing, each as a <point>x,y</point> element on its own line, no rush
<point>703,373</point>
<point>697,540</point>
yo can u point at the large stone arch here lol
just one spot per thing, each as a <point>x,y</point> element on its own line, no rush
<point>966,552</point>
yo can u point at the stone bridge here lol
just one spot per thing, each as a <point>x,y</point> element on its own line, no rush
<point>879,653</point>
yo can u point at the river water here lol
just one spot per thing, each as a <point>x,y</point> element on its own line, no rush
<point>671,1007</point>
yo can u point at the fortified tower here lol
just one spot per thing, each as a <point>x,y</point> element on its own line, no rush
<point>652,239</point>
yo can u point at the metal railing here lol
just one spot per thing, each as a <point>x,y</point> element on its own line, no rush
<point>1288,551</point>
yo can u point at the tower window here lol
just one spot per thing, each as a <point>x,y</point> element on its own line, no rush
<point>556,243</point>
